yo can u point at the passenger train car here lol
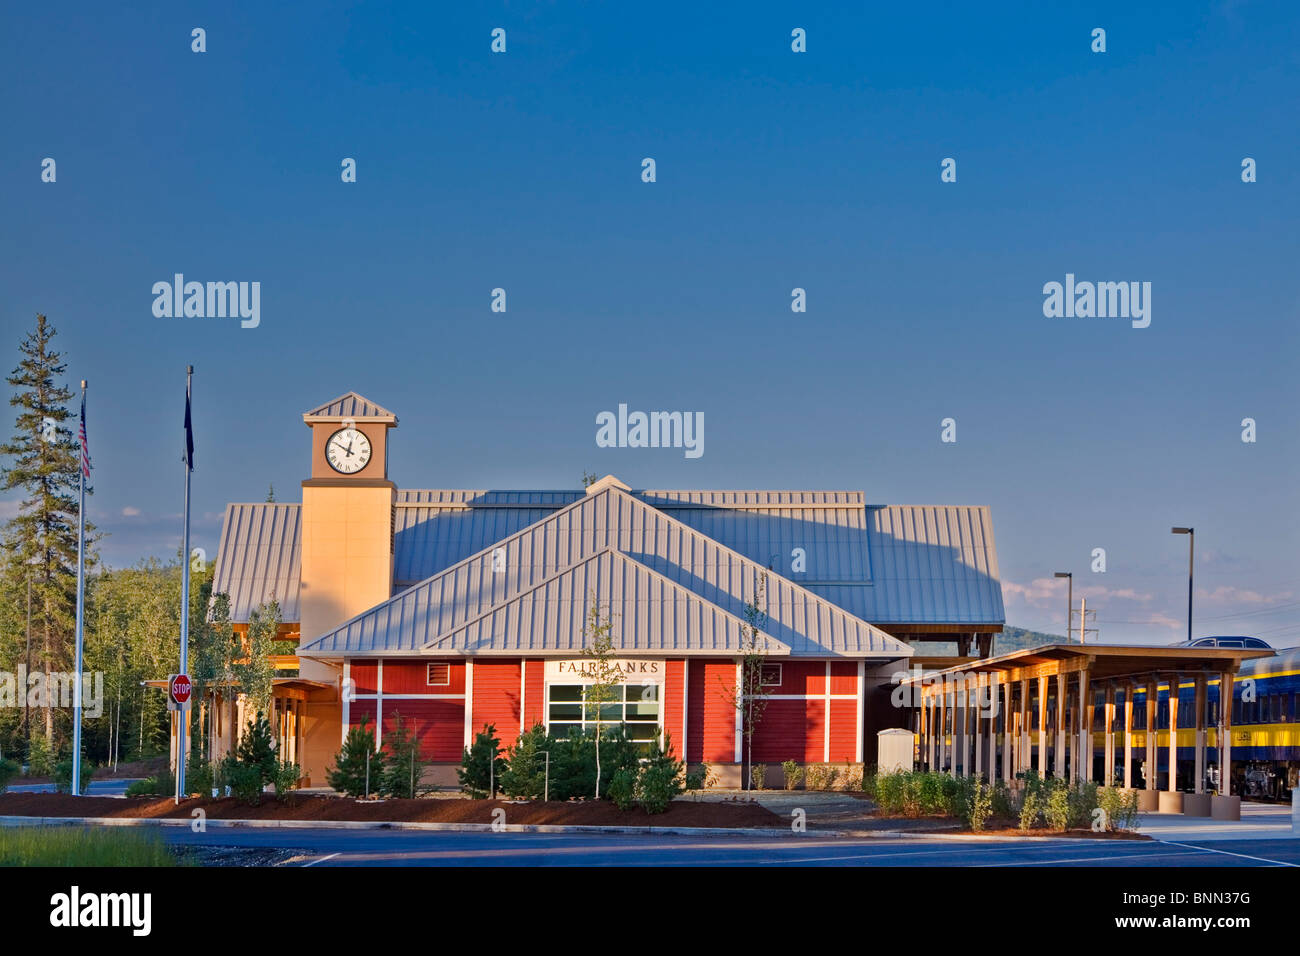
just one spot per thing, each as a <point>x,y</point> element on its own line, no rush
<point>1265,726</point>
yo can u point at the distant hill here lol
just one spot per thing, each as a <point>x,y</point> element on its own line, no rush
<point>1011,639</point>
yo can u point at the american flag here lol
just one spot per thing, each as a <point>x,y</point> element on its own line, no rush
<point>85,449</point>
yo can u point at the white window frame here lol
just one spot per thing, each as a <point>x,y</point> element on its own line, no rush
<point>780,674</point>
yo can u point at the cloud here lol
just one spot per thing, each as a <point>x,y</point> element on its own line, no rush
<point>130,512</point>
<point>1048,592</point>
<point>1227,594</point>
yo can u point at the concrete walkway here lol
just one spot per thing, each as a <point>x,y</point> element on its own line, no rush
<point>1259,821</point>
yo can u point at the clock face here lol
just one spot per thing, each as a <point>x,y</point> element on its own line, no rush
<point>347,451</point>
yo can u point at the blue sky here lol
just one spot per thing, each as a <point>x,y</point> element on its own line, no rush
<point>774,170</point>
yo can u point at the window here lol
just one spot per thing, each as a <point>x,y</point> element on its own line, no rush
<point>439,675</point>
<point>636,706</point>
<point>769,675</point>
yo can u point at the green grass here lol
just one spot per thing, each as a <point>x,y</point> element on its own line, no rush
<point>78,846</point>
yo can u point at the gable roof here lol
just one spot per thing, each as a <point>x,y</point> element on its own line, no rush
<point>259,558</point>
<point>349,405</point>
<point>611,519</point>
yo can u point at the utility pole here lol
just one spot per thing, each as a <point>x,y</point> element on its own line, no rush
<point>1084,630</point>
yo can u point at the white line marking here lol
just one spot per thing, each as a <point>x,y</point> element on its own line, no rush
<point>323,859</point>
<point>1244,856</point>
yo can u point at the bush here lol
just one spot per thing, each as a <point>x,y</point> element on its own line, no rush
<point>1030,810</point>
<point>285,779</point>
<point>403,764</point>
<point>656,787</point>
<point>573,765</point>
<point>757,776</point>
<point>1002,800</point>
<point>980,805</point>
<point>63,775</point>
<point>525,773</point>
<point>1120,808</point>
<point>348,775</point>
<point>1056,810</point>
<point>817,776</point>
<point>622,788</point>
<point>40,758</point>
<point>482,764</point>
<point>851,777</point>
<point>257,748</point>
<point>243,779</point>
<point>793,774</point>
<point>701,778</point>
<point>160,785</point>
<point>1083,800</point>
<point>8,770</point>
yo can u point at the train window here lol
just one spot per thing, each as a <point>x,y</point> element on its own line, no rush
<point>1228,643</point>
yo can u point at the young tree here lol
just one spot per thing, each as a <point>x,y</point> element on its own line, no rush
<point>256,670</point>
<point>41,540</point>
<point>750,697</point>
<point>482,764</point>
<point>403,764</point>
<point>357,766</point>
<point>604,676</point>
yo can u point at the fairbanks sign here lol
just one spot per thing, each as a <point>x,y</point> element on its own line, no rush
<point>584,669</point>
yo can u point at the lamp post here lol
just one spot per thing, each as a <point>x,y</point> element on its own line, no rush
<point>1191,551</point>
<point>1069,600</point>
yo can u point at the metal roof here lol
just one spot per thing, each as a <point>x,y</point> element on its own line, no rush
<point>259,558</point>
<point>887,564</point>
<point>610,519</point>
<point>647,613</point>
<point>349,405</point>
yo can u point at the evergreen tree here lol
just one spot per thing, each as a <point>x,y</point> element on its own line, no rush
<point>482,765</point>
<point>41,540</point>
<point>348,774</point>
<point>525,777</point>
<point>403,764</point>
<point>257,748</point>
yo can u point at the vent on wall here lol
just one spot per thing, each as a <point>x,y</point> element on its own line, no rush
<point>439,675</point>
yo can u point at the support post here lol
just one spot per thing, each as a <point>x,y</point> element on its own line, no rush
<point>1007,722</point>
<point>1108,764</point>
<point>1024,762</point>
<point>1173,733</point>
<point>1058,758</point>
<point>1128,735</point>
<point>1199,707</point>
<point>1083,750</point>
<point>1226,693</point>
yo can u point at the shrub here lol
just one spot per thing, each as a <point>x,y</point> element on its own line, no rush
<point>482,764</point>
<point>701,778</point>
<point>1002,800</point>
<point>525,773</point>
<point>573,765</point>
<point>257,748</point>
<point>40,758</point>
<point>8,770</point>
<point>348,773</point>
<point>1120,808</point>
<point>757,776</point>
<point>160,785</point>
<point>403,764</point>
<point>63,775</point>
<point>1030,810</point>
<point>1056,808</point>
<point>656,787</point>
<point>622,788</point>
<point>285,780</point>
<point>200,776</point>
<point>817,777</point>
<point>851,777</point>
<point>980,805</point>
<point>244,779</point>
<point>793,774</point>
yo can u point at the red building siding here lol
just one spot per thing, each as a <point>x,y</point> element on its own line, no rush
<point>411,677</point>
<point>711,719</point>
<point>844,677</point>
<point>534,694</point>
<point>671,715</point>
<point>790,730</point>
<point>801,677</point>
<point>844,730</point>
<point>439,725</point>
<point>365,676</point>
<point>496,698</point>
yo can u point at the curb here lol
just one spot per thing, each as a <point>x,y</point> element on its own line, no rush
<point>12,821</point>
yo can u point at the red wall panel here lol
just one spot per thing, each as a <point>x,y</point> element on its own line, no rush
<point>439,725</point>
<point>801,677</point>
<point>365,676</point>
<point>534,694</point>
<point>844,730</point>
<point>411,677</point>
<point>712,719</point>
<point>496,698</point>
<point>844,677</point>
<point>671,714</point>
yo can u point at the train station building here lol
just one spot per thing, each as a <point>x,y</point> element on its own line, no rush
<point>458,608</point>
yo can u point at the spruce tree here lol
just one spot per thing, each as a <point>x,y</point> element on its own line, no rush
<point>348,774</point>
<point>403,765</point>
<point>43,462</point>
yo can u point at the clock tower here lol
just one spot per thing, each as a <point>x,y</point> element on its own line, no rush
<point>347,517</point>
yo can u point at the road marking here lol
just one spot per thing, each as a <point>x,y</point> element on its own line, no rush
<point>1076,859</point>
<point>323,859</point>
<point>1244,856</point>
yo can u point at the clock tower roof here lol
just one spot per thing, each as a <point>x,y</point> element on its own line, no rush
<point>349,406</point>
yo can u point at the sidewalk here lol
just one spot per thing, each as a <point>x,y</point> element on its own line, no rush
<point>1259,821</point>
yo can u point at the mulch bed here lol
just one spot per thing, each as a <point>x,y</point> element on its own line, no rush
<point>681,813</point>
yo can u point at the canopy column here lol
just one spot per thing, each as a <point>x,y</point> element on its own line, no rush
<point>1058,755</point>
<point>1226,692</point>
<point>1108,764</point>
<point>1173,734</point>
<point>1199,707</point>
<point>1007,727</point>
<point>1023,762</point>
<point>1042,726</point>
<point>979,725</point>
<point>1128,734</point>
<point>1152,767</point>
<point>1083,751</point>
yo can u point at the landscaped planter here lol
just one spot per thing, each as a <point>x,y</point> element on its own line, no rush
<point>1171,802</point>
<point>1196,804</point>
<point>1148,801</point>
<point>1225,808</point>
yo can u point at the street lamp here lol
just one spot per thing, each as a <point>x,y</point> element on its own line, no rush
<point>1069,601</point>
<point>1191,550</point>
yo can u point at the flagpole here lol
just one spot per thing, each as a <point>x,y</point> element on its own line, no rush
<point>81,599</point>
<point>182,715</point>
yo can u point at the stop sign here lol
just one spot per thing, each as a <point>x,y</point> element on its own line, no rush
<point>179,688</point>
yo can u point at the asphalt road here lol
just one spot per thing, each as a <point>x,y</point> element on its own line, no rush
<point>326,847</point>
<point>98,788</point>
